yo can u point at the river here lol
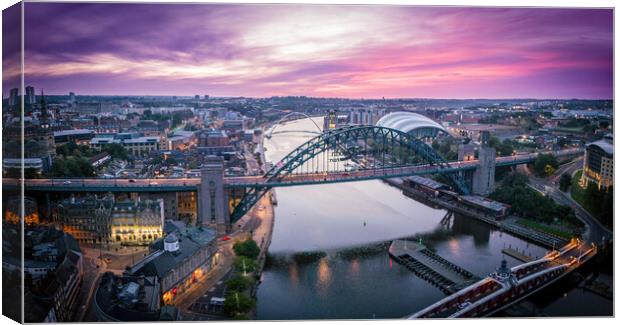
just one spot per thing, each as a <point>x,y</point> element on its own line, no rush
<point>328,255</point>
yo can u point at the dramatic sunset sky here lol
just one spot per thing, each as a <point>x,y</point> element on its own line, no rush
<point>313,50</point>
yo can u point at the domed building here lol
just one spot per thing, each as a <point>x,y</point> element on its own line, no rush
<point>415,124</point>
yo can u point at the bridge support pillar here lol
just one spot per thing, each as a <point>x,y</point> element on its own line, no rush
<point>212,201</point>
<point>483,182</point>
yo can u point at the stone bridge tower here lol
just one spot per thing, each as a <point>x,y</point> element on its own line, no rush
<point>212,200</point>
<point>483,182</point>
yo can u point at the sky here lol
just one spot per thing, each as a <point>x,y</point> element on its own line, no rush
<point>316,50</point>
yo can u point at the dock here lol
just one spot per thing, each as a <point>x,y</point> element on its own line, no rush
<point>517,255</point>
<point>431,267</point>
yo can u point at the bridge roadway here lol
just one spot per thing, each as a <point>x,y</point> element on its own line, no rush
<point>191,184</point>
<point>506,287</point>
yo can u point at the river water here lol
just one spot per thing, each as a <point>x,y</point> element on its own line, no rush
<point>328,255</point>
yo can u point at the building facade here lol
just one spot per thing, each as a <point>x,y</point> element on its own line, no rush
<point>104,220</point>
<point>598,163</point>
<point>87,219</point>
<point>137,222</point>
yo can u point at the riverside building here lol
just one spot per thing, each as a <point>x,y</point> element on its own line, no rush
<point>598,163</point>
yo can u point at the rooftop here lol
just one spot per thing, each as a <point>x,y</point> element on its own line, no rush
<point>159,263</point>
<point>73,132</point>
<point>605,144</point>
<point>484,202</point>
<point>128,298</point>
<point>408,121</point>
<point>427,182</point>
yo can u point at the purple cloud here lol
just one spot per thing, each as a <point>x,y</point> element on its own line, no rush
<point>318,50</point>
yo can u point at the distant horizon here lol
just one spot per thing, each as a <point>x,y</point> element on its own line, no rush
<point>323,97</point>
<point>329,51</point>
<point>318,97</point>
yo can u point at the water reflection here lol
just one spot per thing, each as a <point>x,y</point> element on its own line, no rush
<point>354,269</point>
<point>293,271</point>
<point>324,277</point>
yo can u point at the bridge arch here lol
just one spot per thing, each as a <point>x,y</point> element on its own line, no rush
<point>283,119</point>
<point>342,139</point>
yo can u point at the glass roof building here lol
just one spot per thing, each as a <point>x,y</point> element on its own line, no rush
<point>415,124</point>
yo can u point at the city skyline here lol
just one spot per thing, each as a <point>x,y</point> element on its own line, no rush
<point>355,51</point>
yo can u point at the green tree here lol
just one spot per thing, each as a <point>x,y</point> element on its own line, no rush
<point>238,304</point>
<point>72,167</point>
<point>603,124</point>
<point>247,248</point>
<point>494,142</point>
<point>529,203</point>
<point>565,182</point>
<point>116,150</point>
<point>245,264</point>
<point>506,148</point>
<point>545,165</point>
<point>238,283</point>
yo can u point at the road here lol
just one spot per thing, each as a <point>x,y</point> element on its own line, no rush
<point>595,231</point>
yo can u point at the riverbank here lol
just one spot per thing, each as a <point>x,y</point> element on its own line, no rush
<point>509,224</point>
<point>263,232</point>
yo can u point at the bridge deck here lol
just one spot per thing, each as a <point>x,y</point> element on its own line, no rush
<point>191,184</point>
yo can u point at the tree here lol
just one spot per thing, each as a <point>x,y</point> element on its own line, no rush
<point>245,264</point>
<point>247,248</point>
<point>545,165</point>
<point>72,167</point>
<point>589,128</point>
<point>171,161</point>
<point>506,148</point>
<point>565,182</point>
<point>494,142</point>
<point>238,283</point>
<point>238,303</point>
<point>603,124</point>
<point>528,203</point>
<point>116,150</point>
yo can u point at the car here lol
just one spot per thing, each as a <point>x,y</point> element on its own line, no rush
<point>464,305</point>
<point>225,238</point>
<point>66,182</point>
<point>153,183</point>
<point>132,181</point>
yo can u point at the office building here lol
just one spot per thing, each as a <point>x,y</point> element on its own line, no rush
<point>13,97</point>
<point>30,96</point>
<point>598,163</point>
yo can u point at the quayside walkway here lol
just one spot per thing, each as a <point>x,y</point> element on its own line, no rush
<point>431,267</point>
